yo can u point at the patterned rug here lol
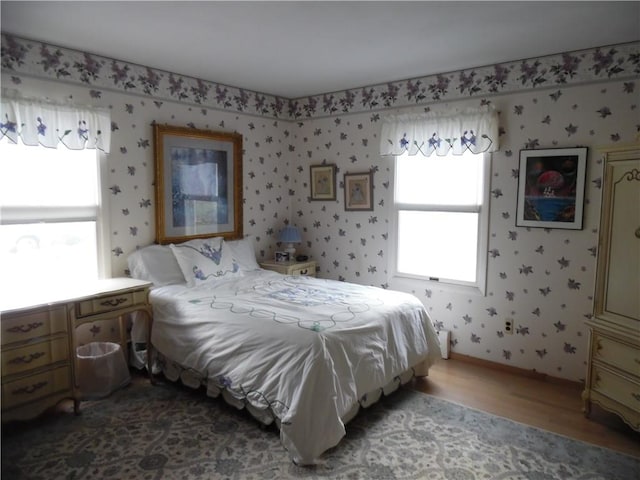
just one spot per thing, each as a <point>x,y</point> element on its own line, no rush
<point>168,431</point>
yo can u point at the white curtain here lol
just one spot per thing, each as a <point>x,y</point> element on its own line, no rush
<point>46,123</point>
<point>449,132</point>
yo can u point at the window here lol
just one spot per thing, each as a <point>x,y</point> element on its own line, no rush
<point>51,227</point>
<point>441,217</point>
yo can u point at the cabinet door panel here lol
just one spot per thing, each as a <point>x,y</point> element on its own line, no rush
<point>623,276</point>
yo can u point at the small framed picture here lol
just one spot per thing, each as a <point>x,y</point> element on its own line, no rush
<point>282,256</point>
<point>358,191</point>
<point>551,188</point>
<point>323,182</point>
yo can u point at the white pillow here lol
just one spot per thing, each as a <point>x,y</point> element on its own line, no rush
<point>157,264</point>
<point>204,260</point>
<point>243,252</point>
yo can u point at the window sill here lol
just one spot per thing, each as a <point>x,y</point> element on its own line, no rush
<point>412,284</point>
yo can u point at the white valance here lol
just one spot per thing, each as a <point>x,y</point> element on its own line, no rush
<point>475,130</point>
<point>49,124</point>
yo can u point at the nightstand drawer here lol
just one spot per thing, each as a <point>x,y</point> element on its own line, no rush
<point>621,389</point>
<point>34,387</point>
<point>33,356</point>
<point>109,303</point>
<point>291,268</point>
<point>620,355</point>
<point>307,269</point>
<point>20,327</point>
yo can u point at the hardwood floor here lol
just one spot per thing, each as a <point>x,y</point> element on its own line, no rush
<point>550,404</point>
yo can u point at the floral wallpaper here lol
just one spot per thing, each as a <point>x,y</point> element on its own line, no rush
<point>543,279</point>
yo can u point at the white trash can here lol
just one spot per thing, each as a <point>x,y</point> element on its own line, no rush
<point>102,369</point>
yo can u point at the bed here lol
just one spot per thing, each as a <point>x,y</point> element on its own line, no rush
<point>303,352</point>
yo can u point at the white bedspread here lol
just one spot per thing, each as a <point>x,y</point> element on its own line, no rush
<point>304,348</point>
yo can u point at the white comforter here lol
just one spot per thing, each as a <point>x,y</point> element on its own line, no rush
<point>303,348</point>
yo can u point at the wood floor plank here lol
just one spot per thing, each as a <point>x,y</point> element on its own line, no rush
<point>547,403</point>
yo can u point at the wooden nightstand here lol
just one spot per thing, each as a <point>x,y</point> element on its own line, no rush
<point>307,268</point>
<point>38,340</point>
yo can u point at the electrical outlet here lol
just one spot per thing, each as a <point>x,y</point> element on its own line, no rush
<point>508,326</point>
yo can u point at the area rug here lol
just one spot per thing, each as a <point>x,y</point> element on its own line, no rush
<point>168,431</point>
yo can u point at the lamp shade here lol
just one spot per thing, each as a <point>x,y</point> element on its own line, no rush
<point>290,234</point>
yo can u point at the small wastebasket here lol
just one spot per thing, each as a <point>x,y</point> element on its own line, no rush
<point>102,369</point>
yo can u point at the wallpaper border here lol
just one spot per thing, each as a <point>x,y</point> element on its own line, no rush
<point>32,58</point>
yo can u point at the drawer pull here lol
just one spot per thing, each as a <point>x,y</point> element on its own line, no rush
<point>29,390</point>
<point>113,302</point>
<point>25,328</point>
<point>27,359</point>
<point>598,346</point>
<point>636,396</point>
<point>596,379</point>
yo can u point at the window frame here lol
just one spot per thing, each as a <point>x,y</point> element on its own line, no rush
<point>103,218</point>
<point>407,280</point>
<point>98,213</point>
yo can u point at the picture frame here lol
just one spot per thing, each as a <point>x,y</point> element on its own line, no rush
<point>358,191</point>
<point>198,184</point>
<point>551,186</point>
<point>323,182</point>
<point>282,257</point>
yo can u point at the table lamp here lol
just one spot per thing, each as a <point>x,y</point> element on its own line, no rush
<point>290,235</point>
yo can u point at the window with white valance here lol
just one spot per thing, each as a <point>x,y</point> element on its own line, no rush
<point>440,209</point>
<point>53,223</point>
<point>41,122</point>
<point>442,133</point>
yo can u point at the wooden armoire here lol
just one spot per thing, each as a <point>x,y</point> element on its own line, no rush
<point>613,374</point>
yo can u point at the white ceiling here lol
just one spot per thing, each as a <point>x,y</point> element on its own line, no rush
<point>299,48</point>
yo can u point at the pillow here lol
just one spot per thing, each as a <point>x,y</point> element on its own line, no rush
<point>243,252</point>
<point>157,264</point>
<point>204,260</point>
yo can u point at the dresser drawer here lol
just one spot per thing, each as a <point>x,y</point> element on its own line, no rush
<point>616,387</point>
<point>620,355</point>
<point>109,303</point>
<point>34,387</point>
<point>34,356</point>
<point>18,327</point>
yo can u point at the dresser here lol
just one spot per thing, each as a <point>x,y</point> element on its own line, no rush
<point>38,339</point>
<point>307,268</point>
<point>613,374</point>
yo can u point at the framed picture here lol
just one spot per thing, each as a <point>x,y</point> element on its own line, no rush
<point>282,257</point>
<point>198,184</point>
<point>551,188</point>
<point>358,191</point>
<point>323,182</point>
